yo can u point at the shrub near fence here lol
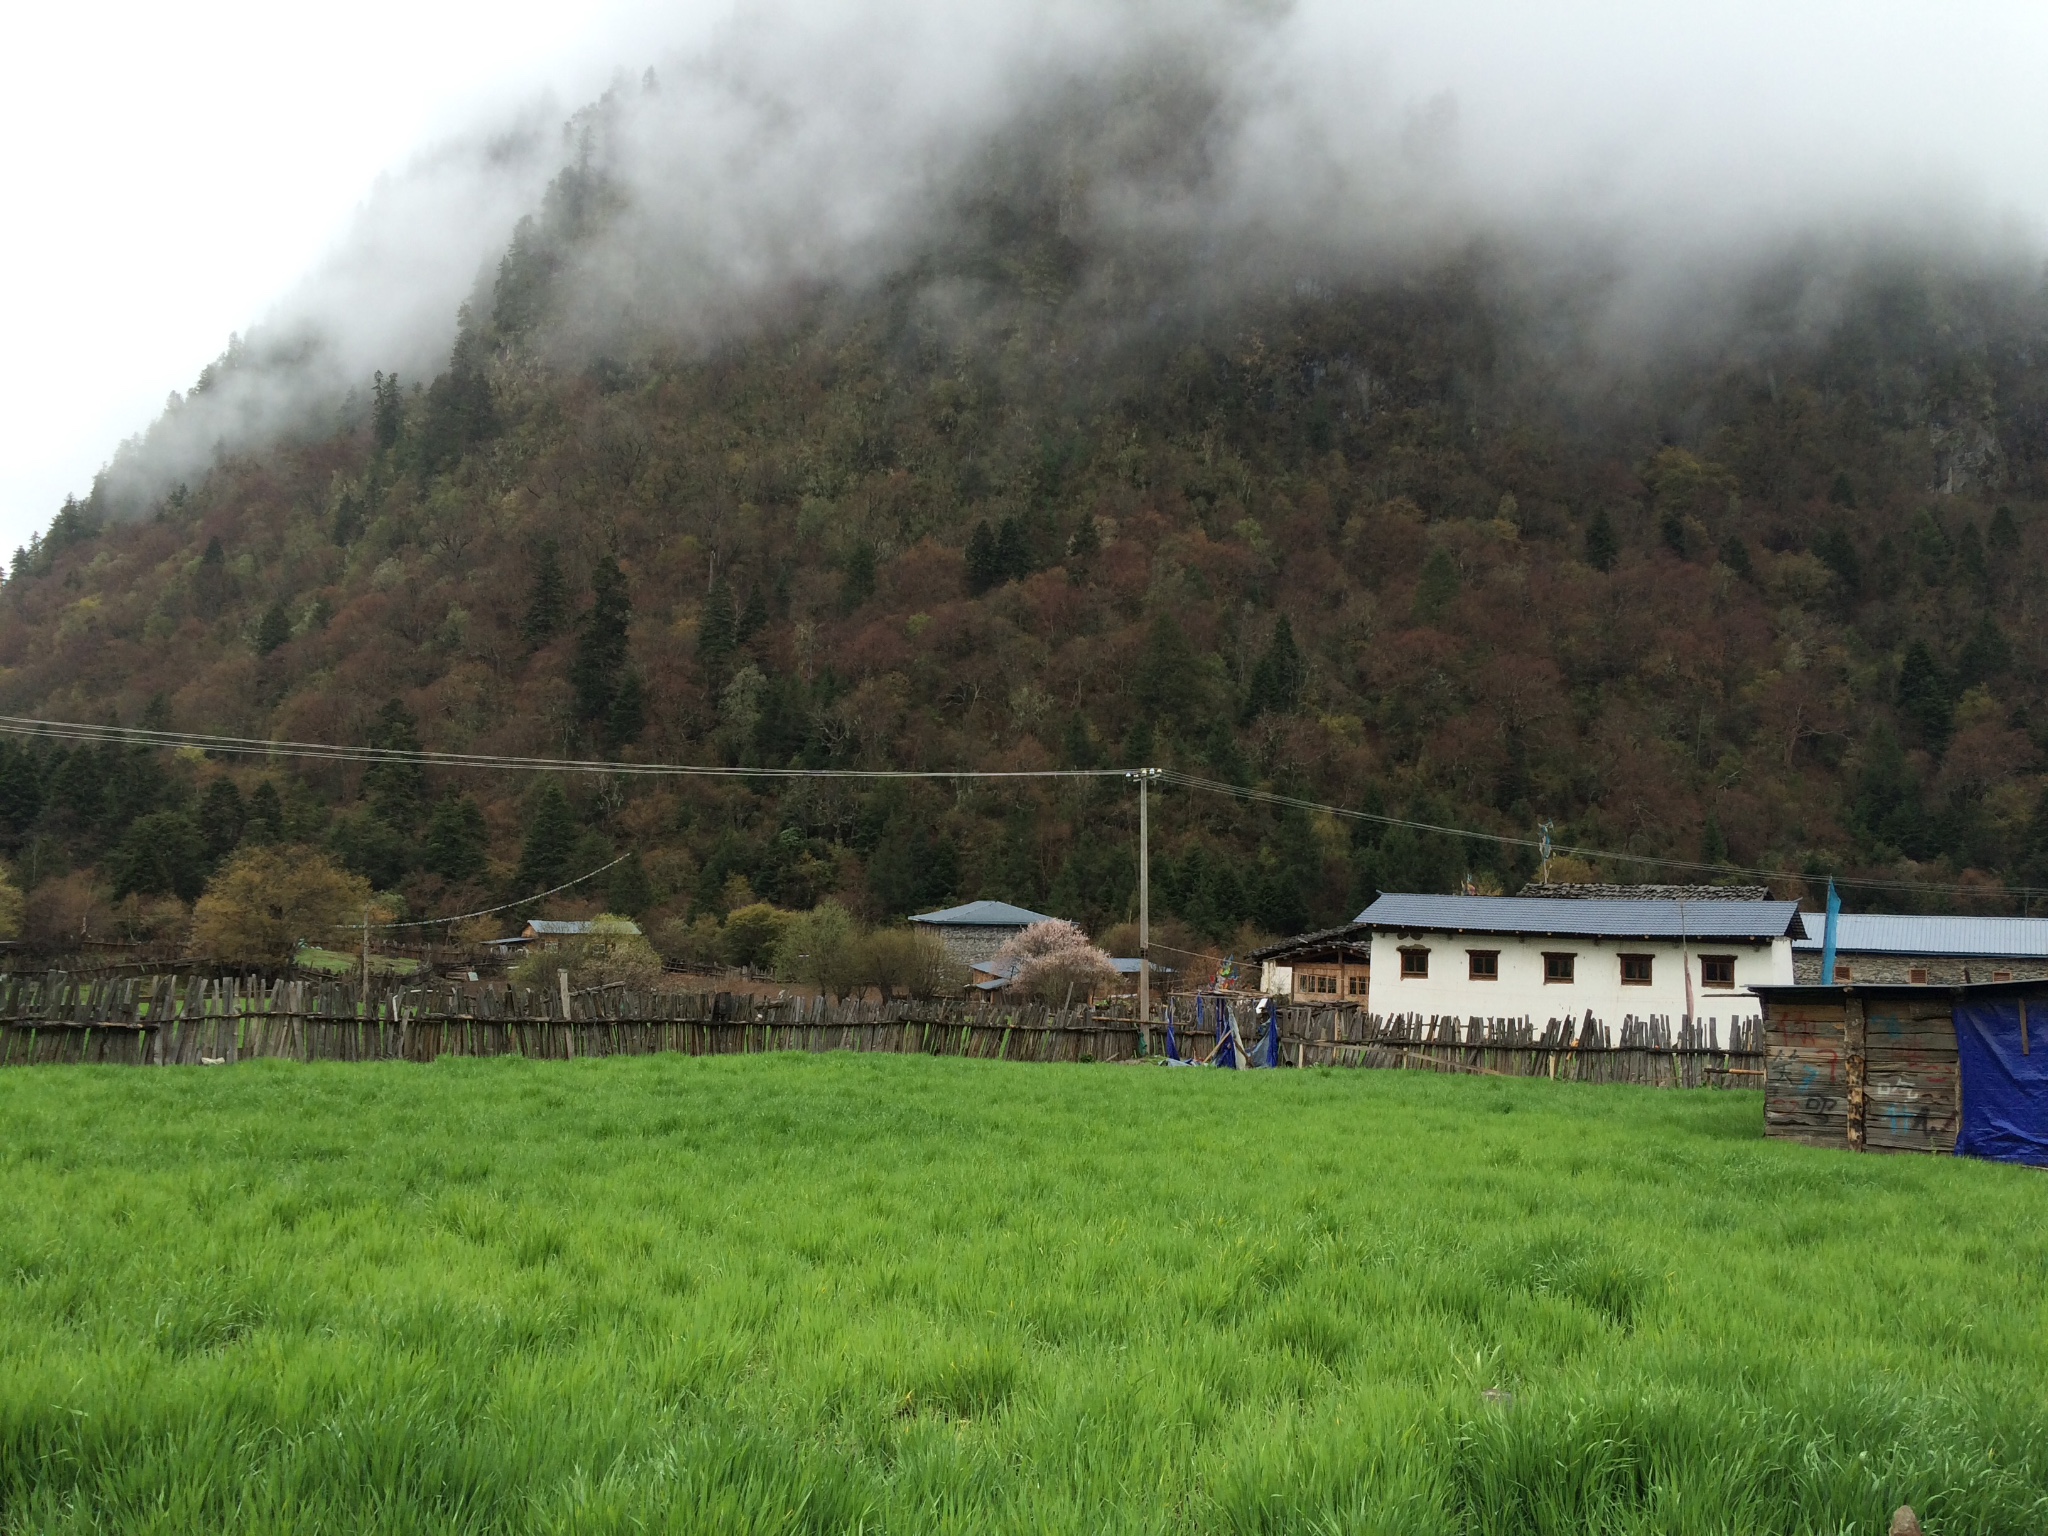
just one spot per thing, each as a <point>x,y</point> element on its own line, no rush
<point>199,1020</point>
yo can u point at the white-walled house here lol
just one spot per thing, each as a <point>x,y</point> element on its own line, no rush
<point>1545,957</point>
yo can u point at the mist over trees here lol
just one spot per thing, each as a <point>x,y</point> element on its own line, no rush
<point>1400,538</point>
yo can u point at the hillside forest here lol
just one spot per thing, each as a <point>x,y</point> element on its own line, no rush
<point>1400,542</point>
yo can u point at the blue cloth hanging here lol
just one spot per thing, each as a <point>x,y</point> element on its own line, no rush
<point>1226,1049</point>
<point>2003,1063</point>
<point>1272,1012</point>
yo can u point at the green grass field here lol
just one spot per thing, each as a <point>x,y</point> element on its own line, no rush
<point>838,1293</point>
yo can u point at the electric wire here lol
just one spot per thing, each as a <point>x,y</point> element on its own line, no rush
<point>1859,882</point>
<point>249,746</point>
<point>138,736</point>
<point>463,917</point>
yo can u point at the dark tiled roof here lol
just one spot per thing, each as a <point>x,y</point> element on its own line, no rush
<point>983,914</point>
<point>1586,919</point>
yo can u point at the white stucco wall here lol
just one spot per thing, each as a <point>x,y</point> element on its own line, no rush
<point>1522,990</point>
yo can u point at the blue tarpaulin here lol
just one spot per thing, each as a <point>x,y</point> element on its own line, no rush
<point>2003,1062</point>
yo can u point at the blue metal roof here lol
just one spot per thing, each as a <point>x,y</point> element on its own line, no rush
<point>983,914</point>
<point>1884,933</point>
<point>554,928</point>
<point>1586,919</point>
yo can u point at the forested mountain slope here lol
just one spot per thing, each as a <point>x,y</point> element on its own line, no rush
<point>1407,541</point>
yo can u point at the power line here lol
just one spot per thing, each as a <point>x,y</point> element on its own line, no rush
<point>1295,802</point>
<point>121,735</point>
<point>463,917</point>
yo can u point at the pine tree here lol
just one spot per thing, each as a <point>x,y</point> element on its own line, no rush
<point>1713,846</point>
<point>1842,493</point>
<point>456,839</point>
<point>2003,535</point>
<point>600,659</point>
<point>397,791</point>
<point>1986,654</point>
<point>1013,552</point>
<point>264,822</point>
<point>273,629</point>
<point>1278,679</point>
<point>21,789</point>
<point>1438,588</point>
<point>550,843</point>
<point>1970,559</point>
<point>1837,551</point>
<point>627,716</point>
<point>629,893</point>
<point>753,618</point>
<point>983,570</point>
<point>1079,746</point>
<point>547,610</point>
<point>1735,555</point>
<point>1671,529</point>
<point>857,581</point>
<point>1602,548</point>
<point>1924,696</point>
<point>387,413</point>
<point>717,628</point>
<point>221,818</point>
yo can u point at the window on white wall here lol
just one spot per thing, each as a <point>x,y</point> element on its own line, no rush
<point>1717,970</point>
<point>1635,970</point>
<point>1560,969</point>
<point>1414,963</point>
<point>1483,964</point>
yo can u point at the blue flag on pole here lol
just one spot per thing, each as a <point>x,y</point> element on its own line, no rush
<point>1827,943</point>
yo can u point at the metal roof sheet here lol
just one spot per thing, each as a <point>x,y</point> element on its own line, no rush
<point>984,914</point>
<point>556,928</point>
<point>1885,933</point>
<point>1586,918</point>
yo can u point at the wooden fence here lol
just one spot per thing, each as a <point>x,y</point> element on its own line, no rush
<point>200,1020</point>
<point>1653,1051</point>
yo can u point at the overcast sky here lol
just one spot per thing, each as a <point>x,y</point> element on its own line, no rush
<point>174,169</point>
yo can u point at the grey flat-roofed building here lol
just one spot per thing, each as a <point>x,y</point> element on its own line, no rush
<point>1884,947</point>
<point>975,931</point>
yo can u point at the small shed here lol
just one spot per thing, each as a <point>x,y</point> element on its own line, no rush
<point>548,933</point>
<point>1332,965</point>
<point>975,931</point>
<point>1909,1068</point>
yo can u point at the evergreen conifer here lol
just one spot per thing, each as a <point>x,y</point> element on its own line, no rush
<point>599,665</point>
<point>273,629</point>
<point>1602,548</point>
<point>456,839</point>
<point>547,609</point>
<point>1925,699</point>
<point>550,842</point>
<point>221,817</point>
<point>983,569</point>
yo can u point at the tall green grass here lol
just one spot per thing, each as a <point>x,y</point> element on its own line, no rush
<point>838,1293</point>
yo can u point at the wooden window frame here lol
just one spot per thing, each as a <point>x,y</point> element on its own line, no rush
<point>1355,986</point>
<point>1649,963</point>
<point>1410,970</point>
<point>1492,959</point>
<point>1995,975</point>
<point>1916,975</point>
<point>1718,985</point>
<point>1570,957</point>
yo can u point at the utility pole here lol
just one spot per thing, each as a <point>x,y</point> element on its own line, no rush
<point>1144,777</point>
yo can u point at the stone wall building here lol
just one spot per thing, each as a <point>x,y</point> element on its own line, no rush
<point>1881,948</point>
<point>974,932</point>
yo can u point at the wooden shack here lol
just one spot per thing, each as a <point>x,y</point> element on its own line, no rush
<point>1869,1068</point>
